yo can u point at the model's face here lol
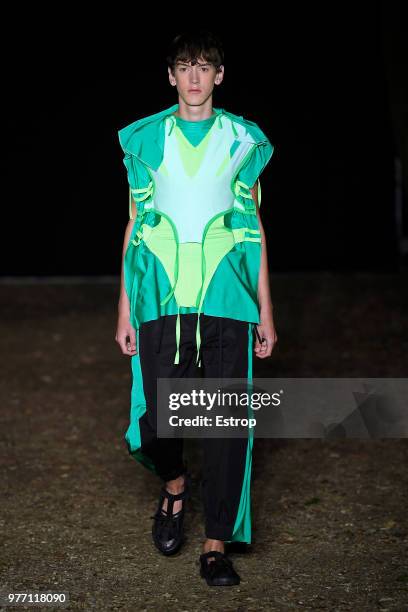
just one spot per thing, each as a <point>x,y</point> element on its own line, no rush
<point>195,83</point>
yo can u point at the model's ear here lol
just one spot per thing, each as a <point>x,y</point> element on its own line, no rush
<point>219,76</point>
<point>171,76</point>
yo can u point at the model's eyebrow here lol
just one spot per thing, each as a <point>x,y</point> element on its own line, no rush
<point>185,64</point>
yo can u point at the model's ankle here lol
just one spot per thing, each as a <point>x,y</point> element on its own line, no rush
<point>211,544</point>
<point>176,486</point>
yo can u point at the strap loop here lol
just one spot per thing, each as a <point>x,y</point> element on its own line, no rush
<point>147,191</point>
<point>139,234</point>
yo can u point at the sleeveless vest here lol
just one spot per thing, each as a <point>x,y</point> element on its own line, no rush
<point>195,216</point>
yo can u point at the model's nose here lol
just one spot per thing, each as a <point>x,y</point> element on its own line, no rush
<point>194,76</point>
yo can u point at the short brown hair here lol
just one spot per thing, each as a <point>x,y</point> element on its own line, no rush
<point>193,44</point>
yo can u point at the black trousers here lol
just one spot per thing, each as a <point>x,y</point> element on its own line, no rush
<point>226,349</point>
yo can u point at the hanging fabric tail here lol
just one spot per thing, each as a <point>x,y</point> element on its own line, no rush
<point>130,203</point>
<point>251,328</point>
<point>250,346</point>
<point>177,357</point>
<point>242,531</point>
<point>198,340</point>
<point>259,192</point>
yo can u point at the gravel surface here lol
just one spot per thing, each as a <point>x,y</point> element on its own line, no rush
<point>330,528</point>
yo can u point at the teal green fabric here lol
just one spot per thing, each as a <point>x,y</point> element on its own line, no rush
<point>144,139</point>
<point>137,410</point>
<point>195,131</point>
<point>242,531</point>
<point>249,174</point>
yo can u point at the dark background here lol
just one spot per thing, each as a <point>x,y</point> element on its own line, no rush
<point>326,86</point>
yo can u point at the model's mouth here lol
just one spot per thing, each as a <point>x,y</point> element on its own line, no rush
<point>194,90</point>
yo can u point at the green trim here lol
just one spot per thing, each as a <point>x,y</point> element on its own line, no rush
<point>176,236</point>
<point>137,410</point>
<point>242,528</point>
<point>206,228</point>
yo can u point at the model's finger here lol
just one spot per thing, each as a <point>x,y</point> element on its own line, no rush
<point>132,338</point>
<point>130,349</point>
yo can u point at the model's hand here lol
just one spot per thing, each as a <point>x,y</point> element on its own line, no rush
<point>266,330</point>
<point>126,336</point>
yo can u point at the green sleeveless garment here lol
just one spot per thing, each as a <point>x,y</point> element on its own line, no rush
<point>195,244</point>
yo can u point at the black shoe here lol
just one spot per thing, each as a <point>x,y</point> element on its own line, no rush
<point>219,572</point>
<point>168,528</point>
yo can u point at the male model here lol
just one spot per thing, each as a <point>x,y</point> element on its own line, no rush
<point>194,287</point>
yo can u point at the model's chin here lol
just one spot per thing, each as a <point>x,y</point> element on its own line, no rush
<point>195,97</point>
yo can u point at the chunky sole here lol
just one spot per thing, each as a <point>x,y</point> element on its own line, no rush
<point>171,551</point>
<point>219,581</point>
<point>224,574</point>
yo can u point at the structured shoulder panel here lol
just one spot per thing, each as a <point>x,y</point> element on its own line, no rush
<point>144,137</point>
<point>141,137</point>
<point>251,127</point>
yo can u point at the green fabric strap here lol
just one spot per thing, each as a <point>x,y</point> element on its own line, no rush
<point>147,191</point>
<point>139,234</point>
<point>238,190</point>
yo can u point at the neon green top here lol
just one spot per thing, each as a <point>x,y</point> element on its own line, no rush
<point>195,244</point>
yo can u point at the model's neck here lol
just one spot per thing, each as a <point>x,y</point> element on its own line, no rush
<point>195,113</point>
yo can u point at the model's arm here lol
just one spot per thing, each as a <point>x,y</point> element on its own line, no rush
<point>266,328</point>
<point>124,328</point>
